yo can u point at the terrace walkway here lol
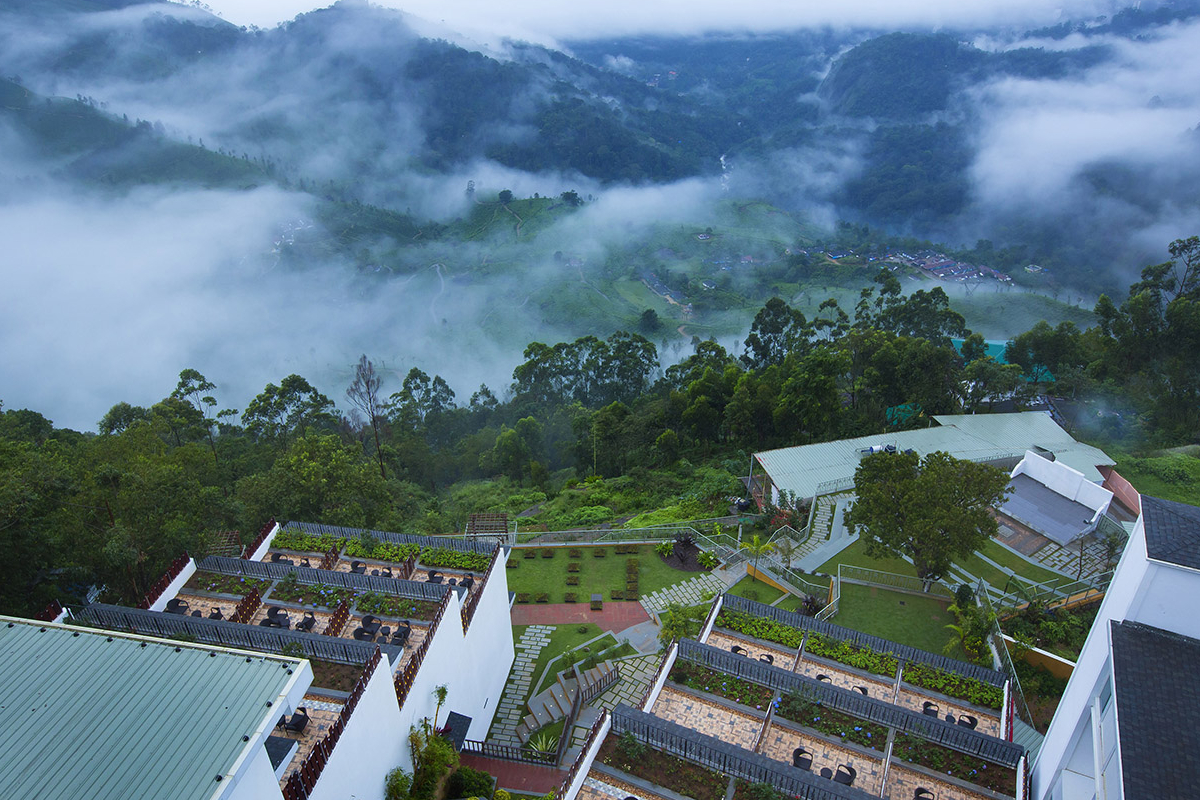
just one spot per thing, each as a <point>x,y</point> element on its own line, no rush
<point>617,615</point>
<point>689,593</point>
<point>516,691</point>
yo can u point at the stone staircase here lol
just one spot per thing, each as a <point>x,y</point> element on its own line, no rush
<point>554,703</point>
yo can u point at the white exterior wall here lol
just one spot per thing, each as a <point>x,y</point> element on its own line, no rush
<point>1066,481</point>
<point>473,667</point>
<point>174,587</point>
<point>257,782</point>
<point>1150,592</point>
<point>258,554</point>
<point>372,744</point>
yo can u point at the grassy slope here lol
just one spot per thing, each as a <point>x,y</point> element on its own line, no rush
<point>756,590</point>
<point>1172,476</point>
<point>856,555</point>
<point>897,616</point>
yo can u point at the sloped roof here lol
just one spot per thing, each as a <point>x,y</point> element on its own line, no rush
<point>805,470</point>
<point>1172,531</point>
<point>99,714</point>
<point>1158,702</point>
<point>1027,430</point>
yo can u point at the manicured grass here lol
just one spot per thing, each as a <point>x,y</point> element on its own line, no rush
<point>981,569</point>
<point>790,603</point>
<point>596,575</point>
<point>568,637</point>
<point>1002,555</point>
<point>856,555</point>
<point>753,589</point>
<point>898,616</point>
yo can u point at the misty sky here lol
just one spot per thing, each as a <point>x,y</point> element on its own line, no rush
<point>549,20</point>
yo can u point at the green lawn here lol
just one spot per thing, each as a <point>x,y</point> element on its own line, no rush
<point>753,589</point>
<point>900,617</point>
<point>1002,555</point>
<point>856,555</point>
<point>1171,476</point>
<point>596,575</point>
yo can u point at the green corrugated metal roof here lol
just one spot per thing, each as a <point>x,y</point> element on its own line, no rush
<point>1023,430</point>
<point>811,469</point>
<point>98,714</point>
<point>805,470</point>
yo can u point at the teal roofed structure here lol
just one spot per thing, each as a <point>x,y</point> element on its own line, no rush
<point>87,713</point>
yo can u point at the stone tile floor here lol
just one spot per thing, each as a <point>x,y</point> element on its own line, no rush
<point>916,702</point>
<point>707,718</point>
<point>902,783</point>
<point>636,674</point>
<point>689,593</point>
<point>780,656</point>
<point>321,715</point>
<point>780,743</point>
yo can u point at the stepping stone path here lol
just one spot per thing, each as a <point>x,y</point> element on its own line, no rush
<point>520,681</point>
<point>689,593</point>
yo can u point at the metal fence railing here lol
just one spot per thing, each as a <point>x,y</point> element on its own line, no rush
<point>506,752</point>
<point>874,577</point>
<point>726,758</point>
<point>233,634</point>
<point>938,731</point>
<point>450,543</point>
<point>309,576</point>
<point>1000,647</point>
<point>735,603</point>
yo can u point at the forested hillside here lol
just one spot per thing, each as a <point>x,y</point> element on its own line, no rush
<point>588,431</point>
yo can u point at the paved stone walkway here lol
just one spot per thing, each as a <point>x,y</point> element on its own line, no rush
<point>636,674</point>
<point>520,680</point>
<point>689,593</point>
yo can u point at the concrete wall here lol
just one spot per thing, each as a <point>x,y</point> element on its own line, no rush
<point>1057,666</point>
<point>1070,731</point>
<point>262,549</point>
<point>473,666</point>
<point>370,746</point>
<point>174,587</point>
<point>1122,489</point>
<point>1064,480</point>
<point>257,782</point>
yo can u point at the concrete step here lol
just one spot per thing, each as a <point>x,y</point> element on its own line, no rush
<point>523,733</point>
<point>560,697</point>
<point>541,713</point>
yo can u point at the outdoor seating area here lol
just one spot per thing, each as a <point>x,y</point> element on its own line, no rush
<point>692,711</point>
<point>905,782</point>
<point>845,764</point>
<point>306,727</point>
<point>835,674</point>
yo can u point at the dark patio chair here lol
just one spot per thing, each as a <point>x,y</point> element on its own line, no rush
<point>432,573</point>
<point>403,631</point>
<point>374,573</point>
<point>307,623</point>
<point>738,650</point>
<point>384,632</point>
<point>930,709</point>
<point>282,621</point>
<point>305,563</point>
<point>358,568</point>
<point>825,679</point>
<point>268,623</point>
<point>467,582</point>
<point>452,582</point>
<point>197,613</point>
<point>386,572</point>
<point>921,793</point>
<point>282,721</point>
<point>363,635</point>
<point>862,690</point>
<point>435,578</point>
<point>371,623</point>
<point>845,774</point>
<point>273,611</point>
<point>216,613</point>
<point>177,606</point>
<point>767,658</point>
<point>802,759</point>
<point>298,722</point>
<point>968,721</point>
<point>279,559</point>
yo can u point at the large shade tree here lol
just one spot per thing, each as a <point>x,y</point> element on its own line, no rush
<point>931,510</point>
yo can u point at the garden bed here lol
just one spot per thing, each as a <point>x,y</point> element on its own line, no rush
<point>684,558</point>
<point>823,646</point>
<point>319,595</point>
<point>738,690</point>
<point>404,607</point>
<point>688,779</point>
<point>339,677</point>
<point>944,761</point>
<point>831,722</point>
<point>225,584</point>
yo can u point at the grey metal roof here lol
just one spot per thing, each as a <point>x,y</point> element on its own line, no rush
<point>1158,703</point>
<point>829,466</point>
<point>1045,510</point>
<point>1172,531</point>
<point>1027,430</point>
<point>99,714</point>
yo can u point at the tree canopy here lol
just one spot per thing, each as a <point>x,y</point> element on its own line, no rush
<point>931,510</point>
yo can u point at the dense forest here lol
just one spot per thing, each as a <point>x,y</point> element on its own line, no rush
<point>590,430</point>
